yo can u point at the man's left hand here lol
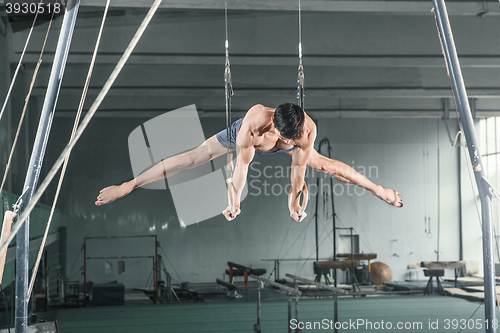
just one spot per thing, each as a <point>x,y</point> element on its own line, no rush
<point>295,210</point>
<point>228,215</point>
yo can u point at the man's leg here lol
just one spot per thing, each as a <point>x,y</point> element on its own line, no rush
<point>207,151</point>
<point>345,173</point>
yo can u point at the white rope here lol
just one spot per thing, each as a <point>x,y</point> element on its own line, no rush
<point>300,75</point>
<point>300,34</point>
<point>19,65</point>
<point>93,109</point>
<point>227,81</point>
<point>455,142</point>
<point>228,92</point>
<point>26,101</point>
<point>63,171</point>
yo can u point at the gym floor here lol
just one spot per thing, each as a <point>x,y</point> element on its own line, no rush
<point>219,313</point>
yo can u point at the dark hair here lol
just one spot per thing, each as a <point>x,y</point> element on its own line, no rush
<point>289,120</point>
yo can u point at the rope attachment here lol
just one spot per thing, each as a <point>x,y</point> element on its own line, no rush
<point>300,75</point>
<point>228,88</point>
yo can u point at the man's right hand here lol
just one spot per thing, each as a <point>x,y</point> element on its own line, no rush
<point>295,210</point>
<point>228,215</point>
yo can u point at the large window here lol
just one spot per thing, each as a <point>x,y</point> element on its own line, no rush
<point>489,141</point>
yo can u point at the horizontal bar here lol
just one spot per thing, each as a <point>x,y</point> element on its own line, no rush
<point>402,292</point>
<point>239,267</point>
<point>132,257</point>
<point>226,284</point>
<point>375,61</point>
<point>291,291</point>
<point>137,236</point>
<point>344,114</point>
<point>318,284</point>
<point>279,92</point>
<point>336,264</point>
<point>298,259</point>
<point>358,256</point>
<point>463,7</point>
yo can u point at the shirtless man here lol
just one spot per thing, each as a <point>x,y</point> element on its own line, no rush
<point>263,130</point>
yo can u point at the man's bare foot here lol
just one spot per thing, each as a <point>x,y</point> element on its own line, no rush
<point>112,193</point>
<point>390,196</point>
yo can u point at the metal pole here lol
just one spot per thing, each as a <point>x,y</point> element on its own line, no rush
<point>460,220</point>
<point>462,102</point>
<point>316,214</point>
<point>36,160</point>
<point>297,330</point>
<point>352,260</point>
<point>84,272</point>
<point>257,328</point>
<point>335,312</point>
<point>169,287</point>
<point>438,194</point>
<point>155,271</point>
<point>289,313</point>
<point>334,221</point>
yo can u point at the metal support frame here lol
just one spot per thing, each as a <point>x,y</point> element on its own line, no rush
<point>352,274</point>
<point>167,293</point>
<point>466,119</point>
<point>446,108</point>
<point>257,327</point>
<point>334,291</point>
<point>291,292</point>
<point>36,161</point>
<point>156,271</point>
<point>334,222</point>
<point>155,263</point>
<point>296,285</point>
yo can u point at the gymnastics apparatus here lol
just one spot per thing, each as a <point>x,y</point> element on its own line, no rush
<point>30,196</point>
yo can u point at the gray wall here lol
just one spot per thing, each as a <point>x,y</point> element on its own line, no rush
<point>405,152</point>
<point>354,61</point>
<point>401,154</point>
<point>350,55</point>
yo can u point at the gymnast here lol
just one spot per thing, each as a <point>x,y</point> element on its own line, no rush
<point>286,129</point>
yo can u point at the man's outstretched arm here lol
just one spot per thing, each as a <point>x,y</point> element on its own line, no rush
<point>245,154</point>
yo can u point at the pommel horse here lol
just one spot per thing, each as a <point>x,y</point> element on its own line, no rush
<point>245,271</point>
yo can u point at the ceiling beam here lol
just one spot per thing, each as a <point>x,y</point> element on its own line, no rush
<point>474,61</point>
<point>311,92</point>
<point>148,114</point>
<point>465,7</point>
